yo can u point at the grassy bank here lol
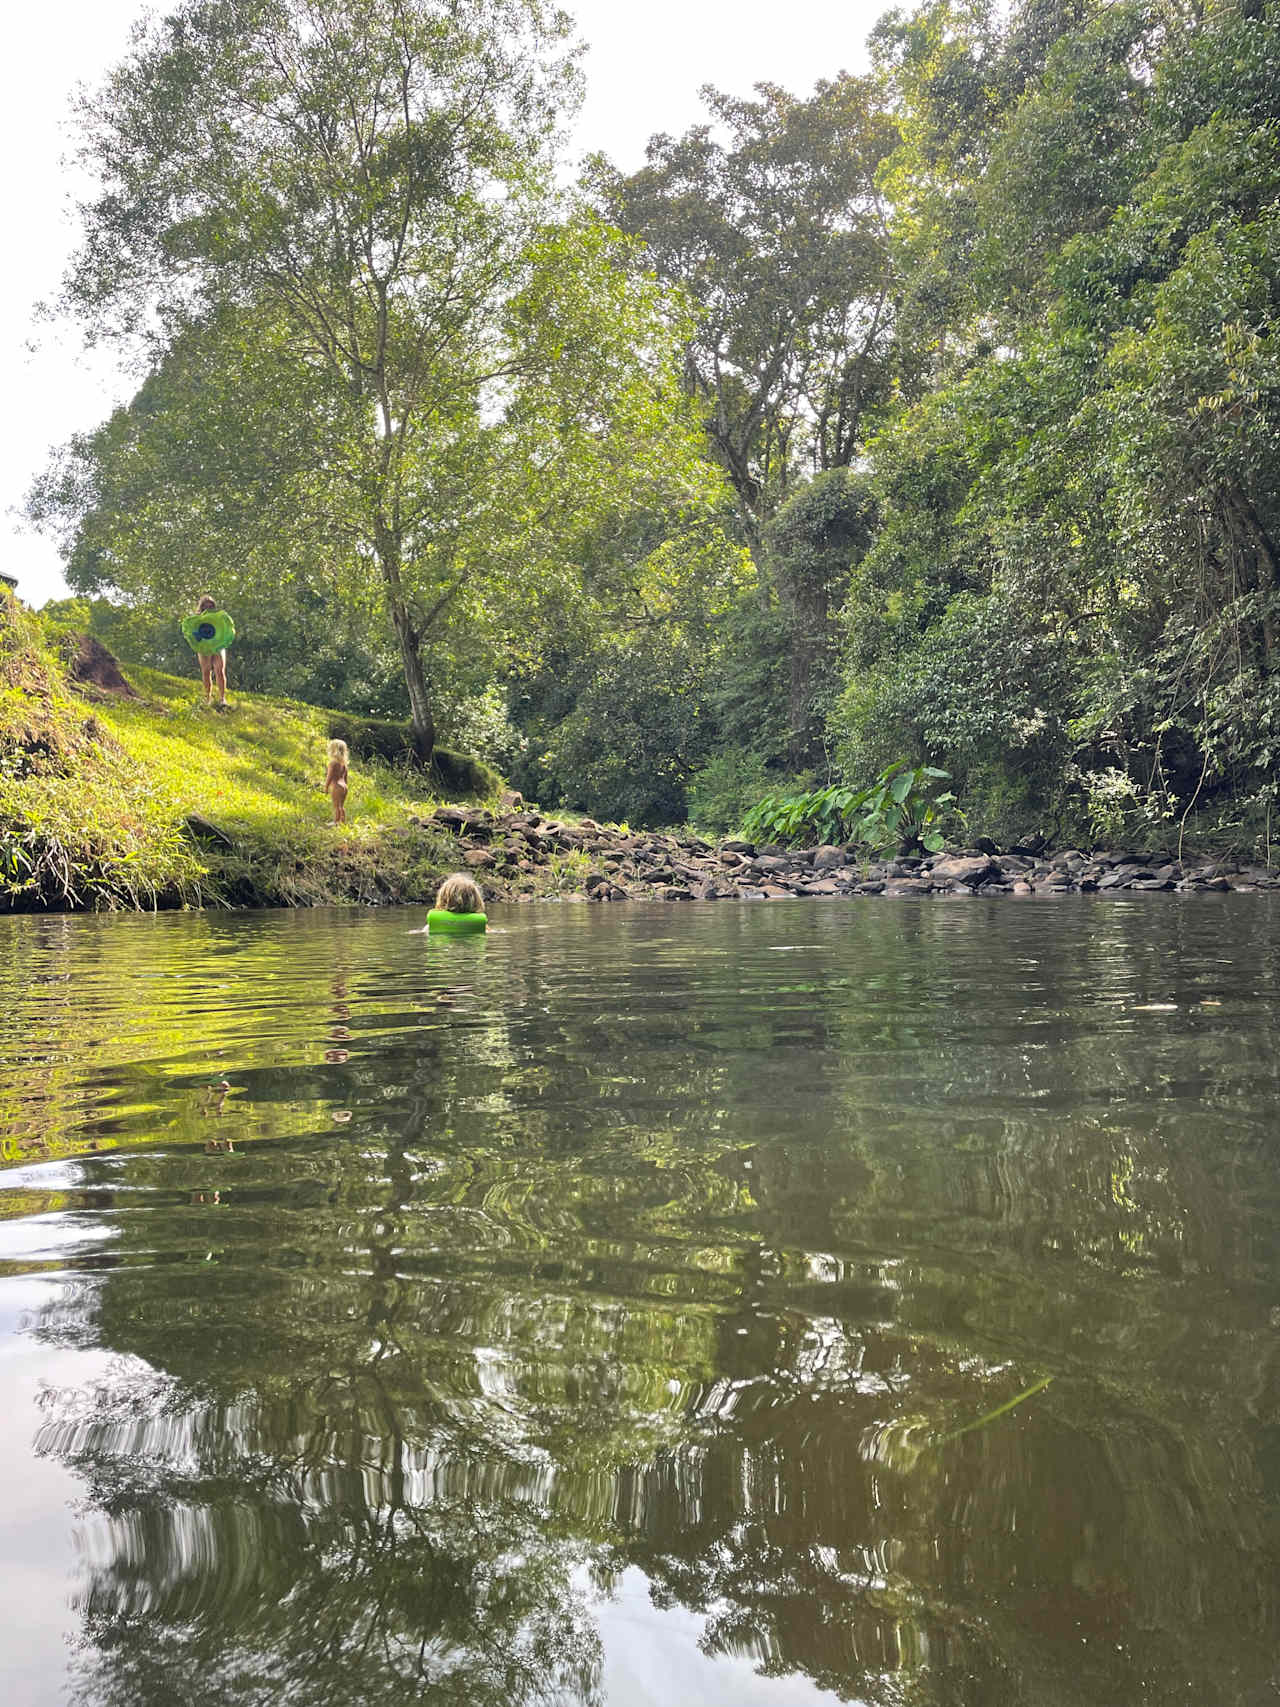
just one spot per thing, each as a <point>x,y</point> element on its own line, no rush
<point>101,795</point>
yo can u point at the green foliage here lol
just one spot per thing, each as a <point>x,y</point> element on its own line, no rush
<point>768,218</point>
<point>1073,594</point>
<point>990,388</point>
<point>80,824</point>
<point>814,543</point>
<point>900,809</point>
<point>388,366</point>
<point>96,803</point>
<point>723,790</point>
<point>620,714</point>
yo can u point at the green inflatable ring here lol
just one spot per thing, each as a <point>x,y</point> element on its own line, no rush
<point>454,924</point>
<point>208,631</point>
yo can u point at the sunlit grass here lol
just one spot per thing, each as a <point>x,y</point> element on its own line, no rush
<point>259,764</point>
<point>96,792</point>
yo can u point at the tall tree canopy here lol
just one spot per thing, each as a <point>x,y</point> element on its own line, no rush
<point>770,218</point>
<point>1072,599</point>
<point>379,352</point>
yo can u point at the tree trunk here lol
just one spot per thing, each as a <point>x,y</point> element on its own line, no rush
<point>1267,570</point>
<point>422,722</point>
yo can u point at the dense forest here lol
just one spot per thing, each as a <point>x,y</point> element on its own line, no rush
<point>931,415</point>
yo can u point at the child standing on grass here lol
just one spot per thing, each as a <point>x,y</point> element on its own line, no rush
<point>335,780</point>
<point>213,665</point>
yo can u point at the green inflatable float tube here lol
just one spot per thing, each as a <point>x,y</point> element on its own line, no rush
<point>208,631</point>
<point>441,923</point>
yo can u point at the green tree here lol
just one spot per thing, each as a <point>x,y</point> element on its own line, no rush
<point>814,542</point>
<point>778,235</point>
<point>1081,497</point>
<point>344,217</point>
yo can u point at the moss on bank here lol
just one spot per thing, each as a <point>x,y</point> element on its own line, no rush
<point>160,801</point>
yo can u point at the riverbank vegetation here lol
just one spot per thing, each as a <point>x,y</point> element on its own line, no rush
<point>931,416</point>
<point>150,798</point>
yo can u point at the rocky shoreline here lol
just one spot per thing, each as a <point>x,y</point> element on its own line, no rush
<point>514,854</point>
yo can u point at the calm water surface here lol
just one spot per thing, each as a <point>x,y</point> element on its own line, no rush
<point>712,1304</point>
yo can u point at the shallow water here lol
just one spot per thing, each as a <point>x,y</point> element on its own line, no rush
<point>715,1304</point>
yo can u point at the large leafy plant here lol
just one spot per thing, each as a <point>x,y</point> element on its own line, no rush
<point>899,809</point>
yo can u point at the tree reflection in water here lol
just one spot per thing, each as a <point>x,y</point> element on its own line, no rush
<point>714,1283</point>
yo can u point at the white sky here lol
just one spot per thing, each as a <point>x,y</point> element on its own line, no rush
<point>644,69</point>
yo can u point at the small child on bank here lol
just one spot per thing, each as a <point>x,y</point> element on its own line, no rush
<point>459,906</point>
<point>335,780</point>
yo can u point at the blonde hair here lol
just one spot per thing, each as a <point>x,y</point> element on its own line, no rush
<point>459,894</point>
<point>338,750</point>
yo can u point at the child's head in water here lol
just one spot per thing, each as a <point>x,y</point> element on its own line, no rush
<point>205,603</point>
<point>459,894</point>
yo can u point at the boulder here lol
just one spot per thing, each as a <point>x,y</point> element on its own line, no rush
<point>92,665</point>
<point>959,869</point>
<point>201,830</point>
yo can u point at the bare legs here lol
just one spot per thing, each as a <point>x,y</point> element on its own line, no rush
<point>213,673</point>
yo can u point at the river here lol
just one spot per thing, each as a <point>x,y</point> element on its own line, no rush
<point>733,1305</point>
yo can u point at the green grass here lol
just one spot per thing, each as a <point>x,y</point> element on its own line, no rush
<point>95,792</point>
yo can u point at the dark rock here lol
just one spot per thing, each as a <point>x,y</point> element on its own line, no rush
<point>828,858</point>
<point>1258,874</point>
<point>748,848</point>
<point>92,665</point>
<point>203,831</point>
<point>957,869</point>
<point>673,892</point>
<point>908,886</point>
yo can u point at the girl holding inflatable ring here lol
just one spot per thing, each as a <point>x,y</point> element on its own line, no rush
<point>208,632</point>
